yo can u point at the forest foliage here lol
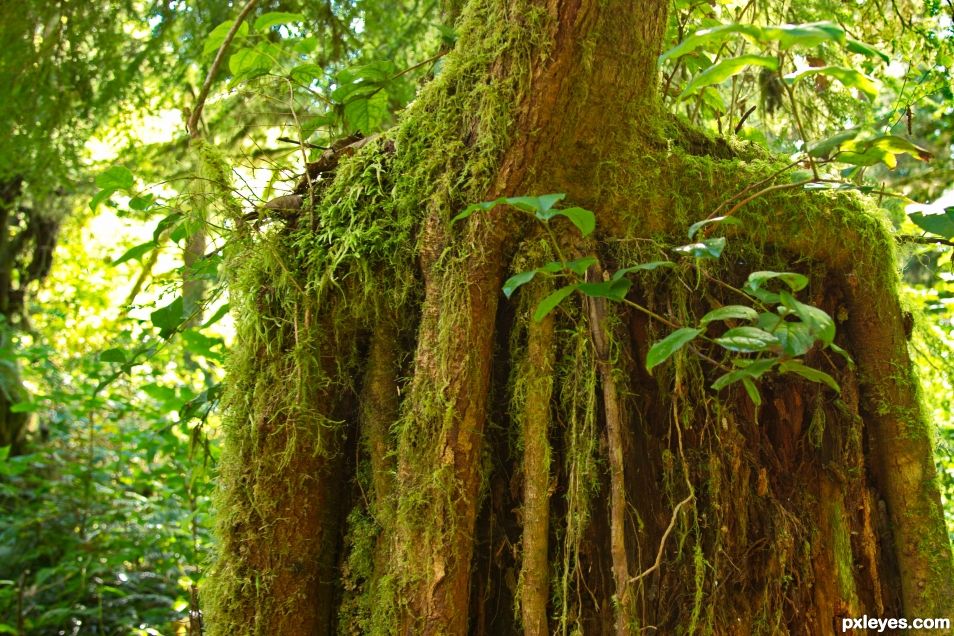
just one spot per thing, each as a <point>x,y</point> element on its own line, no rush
<point>113,342</point>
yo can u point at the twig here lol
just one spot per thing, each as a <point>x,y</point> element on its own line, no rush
<point>193,124</point>
<point>662,542</point>
<point>924,240</point>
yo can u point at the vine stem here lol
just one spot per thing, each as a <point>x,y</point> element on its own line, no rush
<point>193,124</point>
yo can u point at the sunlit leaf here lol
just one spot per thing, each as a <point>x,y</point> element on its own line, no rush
<point>663,350</point>
<point>730,312</point>
<point>849,77</point>
<point>723,70</point>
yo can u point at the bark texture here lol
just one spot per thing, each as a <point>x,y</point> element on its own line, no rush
<point>409,454</point>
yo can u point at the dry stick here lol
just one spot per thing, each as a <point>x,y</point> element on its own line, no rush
<point>193,124</point>
<point>751,187</point>
<point>662,542</point>
<point>614,434</point>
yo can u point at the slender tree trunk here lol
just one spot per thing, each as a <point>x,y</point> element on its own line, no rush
<point>639,502</point>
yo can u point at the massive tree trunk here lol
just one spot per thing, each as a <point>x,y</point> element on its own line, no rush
<point>408,453</point>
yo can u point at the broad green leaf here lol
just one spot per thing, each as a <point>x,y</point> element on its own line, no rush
<point>648,267</point>
<point>274,18</point>
<point>515,281</point>
<point>99,197</point>
<point>26,407</point>
<point>584,220</point>
<point>215,39</point>
<point>136,252</point>
<point>708,36</point>
<point>755,284</point>
<point>698,225</point>
<point>142,203</point>
<point>115,178</point>
<point>804,35</point>
<point>708,248</point>
<point>540,205</point>
<point>809,373</point>
<point>373,73</point>
<point>533,205</point>
<point>662,350</point>
<point>168,319</point>
<point>250,63</point>
<point>865,49</point>
<point>747,340</point>
<point>752,369</point>
<point>899,145</point>
<point>941,224</point>
<point>612,289</point>
<point>721,71</point>
<point>730,312</point>
<point>113,355</point>
<point>200,344</point>
<point>847,76</point>
<point>367,114</point>
<point>550,303</point>
<point>578,266</point>
<point>306,73</point>
<point>821,324</point>
<point>825,146</point>
<point>4,453</point>
<point>796,338</point>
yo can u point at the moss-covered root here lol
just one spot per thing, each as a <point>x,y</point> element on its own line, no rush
<point>533,389</point>
<point>902,441</point>
<point>599,330</point>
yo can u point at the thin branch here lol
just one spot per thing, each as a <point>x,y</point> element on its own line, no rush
<point>924,240</point>
<point>193,123</point>
<point>662,542</point>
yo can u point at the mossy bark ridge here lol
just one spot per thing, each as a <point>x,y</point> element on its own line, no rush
<point>408,453</point>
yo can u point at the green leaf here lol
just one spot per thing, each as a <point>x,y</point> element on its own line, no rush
<point>730,312</point>
<point>215,39</point>
<point>515,281</point>
<point>166,223</point>
<point>612,289</point>
<point>867,50</point>
<point>752,391</point>
<point>819,322</point>
<point>796,338</point>
<point>721,71</point>
<point>825,146</point>
<point>168,319</point>
<point>899,145</point>
<point>99,197</point>
<point>26,407</point>
<point>753,369</point>
<point>115,178</point>
<point>642,267</point>
<point>805,35</point>
<point>809,373</point>
<point>249,63</point>
<point>274,18</point>
<point>847,76</point>
<point>728,220</point>
<point>584,220</point>
<point>578,266</point>
<point>217,316</point>
<point>941,224</point>
<point>755,285</point>
<point>549,303</point>
<point>708,248</point>
<point>662,350</point>
<point>747,340</point>
<point>4,453</point>
<point>136,252</point>
<point>533,205</point>
<point>366,114</point>
<point>707,36</point>
<point>113,355</point>
<point>306,73</point>
<point>142,203</point>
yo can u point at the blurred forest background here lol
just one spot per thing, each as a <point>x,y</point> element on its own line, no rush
<point>114,324</point>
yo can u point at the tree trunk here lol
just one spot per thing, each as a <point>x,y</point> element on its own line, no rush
<point>406,453</point>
